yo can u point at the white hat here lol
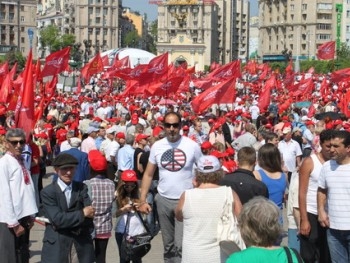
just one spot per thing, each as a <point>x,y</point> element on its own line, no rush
<point>92,129</point>
<point>208,164</point>
<point>74,142</point>
<point>286,130</point>
<point>111,130</point>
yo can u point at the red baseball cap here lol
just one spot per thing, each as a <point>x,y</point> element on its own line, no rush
<point>97,161</point>
<point>120,135</point>
<point>139,137</point>
<point>128,176</point>
<point>206,145</point>
<point>41,135</point>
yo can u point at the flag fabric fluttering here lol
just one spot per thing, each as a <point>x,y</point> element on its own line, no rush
<point>56,62</point>
<point>326,51</point>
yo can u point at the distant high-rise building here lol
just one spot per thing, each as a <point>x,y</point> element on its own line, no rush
<point>95,23</point>
<point>296,28</point>
<point>18,26</point>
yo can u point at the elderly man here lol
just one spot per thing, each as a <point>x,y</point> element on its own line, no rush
<point>67,206</point>
<point>17,202</point>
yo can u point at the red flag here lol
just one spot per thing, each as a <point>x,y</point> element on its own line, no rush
<point>214,66</point>
<point>289,68</point>
<point>304,87</point>
<point>50,87</point>
<point>345,104</point>
<point>228,71</point>
<point>265,69</point>
<point>78,91</point>
<point>4,68</point>
<point>185,85</point>
<point>7,84</point>
<point>324,86</point>
<point>312,111</point>
<point>38,76</point>
<point>93,67</point>
<point>251,67</point>
<point>340,75</point>
<point>159,88</point>
<point>105,61</point>
<point>224,92</point>
<point>265,93</point>
<point>56,62</point>
<point>158,66</point>
<point>25,105</point>
<point>326,51</point>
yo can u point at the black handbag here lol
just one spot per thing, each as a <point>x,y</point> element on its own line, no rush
<point>135,247</point>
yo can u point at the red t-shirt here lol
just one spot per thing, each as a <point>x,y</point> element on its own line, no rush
<point>61,136</point>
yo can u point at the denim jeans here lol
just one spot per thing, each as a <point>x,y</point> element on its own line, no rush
<point>293,239</point>
<point>339,245</point>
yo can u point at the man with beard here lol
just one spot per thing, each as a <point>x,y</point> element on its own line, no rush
<point>175,156</point>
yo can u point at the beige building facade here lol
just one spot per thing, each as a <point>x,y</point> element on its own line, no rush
<point>95,23</point>
<point>297,27</point>
<point>202,31</point>
<point>18,26</point>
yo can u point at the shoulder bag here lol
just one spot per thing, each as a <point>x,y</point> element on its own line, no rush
<point>135,247</point>
<point>229,236</point>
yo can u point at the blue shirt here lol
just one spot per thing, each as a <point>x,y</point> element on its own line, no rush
<point>126,158</point>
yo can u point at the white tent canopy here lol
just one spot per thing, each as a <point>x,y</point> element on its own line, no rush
<point>136,56</point>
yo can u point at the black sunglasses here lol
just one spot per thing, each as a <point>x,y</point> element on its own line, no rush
<point>14,143</point>
<point>175,125</point>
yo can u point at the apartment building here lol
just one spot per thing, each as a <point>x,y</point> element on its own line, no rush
<point>298,27</point>
<point>17,26</point>
<point>95,23</point>
<point>199,32</point>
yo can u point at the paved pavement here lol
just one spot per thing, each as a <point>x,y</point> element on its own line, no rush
<point>154,256</point>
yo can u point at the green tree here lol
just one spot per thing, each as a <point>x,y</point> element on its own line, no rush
<point>14,56</point>
<point>50,37</point>
<point>131,39</point>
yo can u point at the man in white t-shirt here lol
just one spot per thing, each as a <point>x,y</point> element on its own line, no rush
<point>291,152</point>
<point>175,156</point>
<point>333,197</point>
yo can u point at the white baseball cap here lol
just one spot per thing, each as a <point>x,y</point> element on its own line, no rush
<point>208,164</point>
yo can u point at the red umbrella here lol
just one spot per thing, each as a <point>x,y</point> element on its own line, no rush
<point>166,102</point>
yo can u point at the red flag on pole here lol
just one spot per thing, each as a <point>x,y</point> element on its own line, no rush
<point>56,62</point>
<point>6,86</point>
<point>224,92</point>
<point>93,67</point>
<point>25,105</point>
<point>326,51</point>
<point>265,93</point>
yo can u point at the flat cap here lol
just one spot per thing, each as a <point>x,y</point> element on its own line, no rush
<point>65,160</point>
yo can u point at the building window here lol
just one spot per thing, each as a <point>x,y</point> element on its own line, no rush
<point>22,8</point>
<point>22,49</point>
<point>22,29</point>
<point>22,40</point>
<point>324,16</point>
<point>98,20</point>
<point>304,7</point>
<point>292,7</point>
<point>347,28</point>
<point>324,6</point>
<point>90,10</point>
<point>22,18</point>
<point>324,26</point>
<point>347,13</point>
<point>323,36</point>
<point>98,10</point>
<point>105,31</point>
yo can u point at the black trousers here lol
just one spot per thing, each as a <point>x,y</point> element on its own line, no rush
<point>100,249</point>
<point>14,249</point>
<point>314,248</point>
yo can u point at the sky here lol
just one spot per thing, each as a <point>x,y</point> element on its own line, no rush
<point>151,10</point>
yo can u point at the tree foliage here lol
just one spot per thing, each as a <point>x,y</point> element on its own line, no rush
<point>51,38</point>
<point>14,56</point>
<point>131,39</point>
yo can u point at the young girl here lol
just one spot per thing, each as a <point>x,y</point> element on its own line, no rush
<point>127,201</point>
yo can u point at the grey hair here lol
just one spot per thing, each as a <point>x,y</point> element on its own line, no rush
<point>15,132</point>
<point>259,222</point>
<point>129,139</point>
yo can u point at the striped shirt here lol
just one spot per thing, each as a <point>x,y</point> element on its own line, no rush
<point>335,178</point>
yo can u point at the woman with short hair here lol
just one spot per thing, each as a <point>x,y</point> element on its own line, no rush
<point>260,230</point>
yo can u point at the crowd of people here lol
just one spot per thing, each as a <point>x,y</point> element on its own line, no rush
<point>117,157</point>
